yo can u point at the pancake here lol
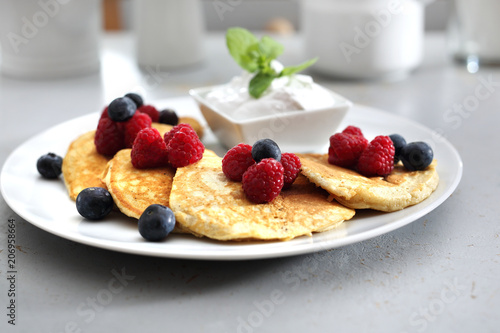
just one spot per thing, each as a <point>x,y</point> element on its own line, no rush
<point>207,203</point>
<point>133,190</point>
<point>162,128</point>
<point>83,165</point>
<point>402,188</point>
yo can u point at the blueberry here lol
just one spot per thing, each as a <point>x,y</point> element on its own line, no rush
<point>49,165</point>
<point>266,148</point>
<point>416,156</point>
<point>399,142</point>
<point>94,203</point>
<point>136,98</point>
<point>156,222</point>
<point>121,109</point>
<point>169,117</point>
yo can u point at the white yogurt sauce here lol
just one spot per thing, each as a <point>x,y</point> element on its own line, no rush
<point>289,93</point>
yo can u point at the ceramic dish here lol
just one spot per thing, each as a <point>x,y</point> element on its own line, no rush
<point>297,131</point>
<point>46,204</point>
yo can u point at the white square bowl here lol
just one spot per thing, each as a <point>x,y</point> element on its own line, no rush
<point>293,131</point>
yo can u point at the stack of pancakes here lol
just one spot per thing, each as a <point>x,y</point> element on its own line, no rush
<point>207,204</point>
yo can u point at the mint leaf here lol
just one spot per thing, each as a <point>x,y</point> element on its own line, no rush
<point>240,43</point>
<point>269,48</point>
<point>295,69</point>
<point>255,56</point>
<point>259,83</point>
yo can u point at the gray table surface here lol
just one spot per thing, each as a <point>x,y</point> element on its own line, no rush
<point>437,274</point>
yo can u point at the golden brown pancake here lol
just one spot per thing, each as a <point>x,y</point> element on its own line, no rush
<point>402,188</point>
<point>83,165</point>
<point>133,190</point>
<point>162,128</point>
<point>207,203</point>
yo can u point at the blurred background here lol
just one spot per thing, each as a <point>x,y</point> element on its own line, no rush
<point>254,14</point>
<point>53,38</point>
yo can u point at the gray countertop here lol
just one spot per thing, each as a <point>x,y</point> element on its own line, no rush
<point>437,274</point>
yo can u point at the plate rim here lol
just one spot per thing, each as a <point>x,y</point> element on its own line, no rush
<point>199,254</point>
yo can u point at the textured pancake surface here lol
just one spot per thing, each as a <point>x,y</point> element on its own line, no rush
<point>133,190</point>
<point>207,203</point>
<point>162,128</point>
<point>402,188</point>
<point>83,165</point>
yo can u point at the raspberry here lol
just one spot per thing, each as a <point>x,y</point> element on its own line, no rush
<point>345,149</point>
<point>353,130</point>
<point>236,161</point>
<point>108,138</point>
<point>151,111</point>
<point>262,182</point>
<point>378,158</point>
<point>291,164</point>
<point>149,150</point>
<point>174,130</point>
<point>133,126</point>
<point>184,147</point>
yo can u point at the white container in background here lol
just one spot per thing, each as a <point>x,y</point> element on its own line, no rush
<point>49,38</point>
<point>168,33</point>
<point>364,39</point>
<point>291,130</point>
<point>474,31</point>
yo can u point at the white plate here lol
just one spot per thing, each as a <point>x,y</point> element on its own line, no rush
<point>45,203</point>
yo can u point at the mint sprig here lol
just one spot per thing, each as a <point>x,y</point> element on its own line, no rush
<point>255,56</point>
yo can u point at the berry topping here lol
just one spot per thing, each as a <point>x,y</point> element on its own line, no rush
<point>236,161</point>
<point>149,150</point>
<point>263,181</point>
<point>184,147</point>
<point>136,98</point>
<point>151,111</point>
<point>169,117</point>
<point>174,130</point>
<point>156,222</point>
<point>266,148</point>
<point>345,149</point>
<point>94,203</point>
<point>399,142</point>
<point>133,126</point>
<point>353,130</point>
<point>378,158</point>
<point>291,165</point>
<point>416,155</point>
<point>108,137</point>
<point>121,109</point>
<point>49,165</point>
